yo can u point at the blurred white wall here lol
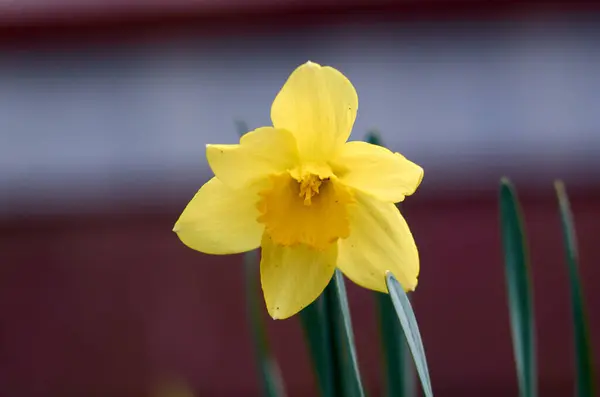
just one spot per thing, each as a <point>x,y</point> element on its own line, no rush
<point>469,101</point>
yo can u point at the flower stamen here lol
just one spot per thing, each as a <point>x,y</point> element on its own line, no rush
<point>309,187</point>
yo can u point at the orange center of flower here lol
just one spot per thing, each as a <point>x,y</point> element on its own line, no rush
<point>308,210</point>
<point>309,187</point>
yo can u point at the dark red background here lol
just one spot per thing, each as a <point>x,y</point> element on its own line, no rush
<point>108,304</point>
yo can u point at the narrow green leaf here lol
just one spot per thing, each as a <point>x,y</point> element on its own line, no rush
<point>373,137</point>
<point>519,289</point>
<point>399,371</point>
<point>344,354</point>
<point>583,351</point>
<point>241,127</point>
<point>314,319</point>
<point>407,319</point>
<point>271,380</point>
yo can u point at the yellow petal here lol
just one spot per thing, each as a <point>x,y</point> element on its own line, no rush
<point>220,220</point>
<point>377,171</point>
<point>260,153</point>
<point>318,105</point>
<point>379,240</point>
<point>293,277</point>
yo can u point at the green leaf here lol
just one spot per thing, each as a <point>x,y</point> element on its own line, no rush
<point>519,289</point>
<point>583,350</point>
<point>272,382</point>
<point>344,353</point>
<point>407,319</point>
<point>399,371</point>
<point>328,330</point>
<point>314,319</point>
<point>373,137</point>
<point>241,127</point>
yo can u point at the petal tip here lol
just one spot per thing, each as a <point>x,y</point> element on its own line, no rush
<point>282,312</point>
<point>275,313</point>
<point>412,286</point>
<point>420,177</point>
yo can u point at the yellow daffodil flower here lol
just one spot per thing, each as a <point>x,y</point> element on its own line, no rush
<point>312,201</point>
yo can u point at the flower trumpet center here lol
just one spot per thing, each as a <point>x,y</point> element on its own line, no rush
<point>306,210</point>
<point>309,187</point>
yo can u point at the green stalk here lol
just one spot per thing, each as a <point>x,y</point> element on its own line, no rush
<point>399,371</point>
<point>328,329</point>
<point>344,353</point>
<point>584,385</point>
<point>410,328</point>
<point>314,319</point>
<point>519,289</point>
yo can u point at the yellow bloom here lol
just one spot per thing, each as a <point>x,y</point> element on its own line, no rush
<point>311,200</point>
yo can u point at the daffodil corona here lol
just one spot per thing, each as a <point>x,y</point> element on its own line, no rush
<point>308,198</point>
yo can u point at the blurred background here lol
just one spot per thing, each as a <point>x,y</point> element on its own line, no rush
<point>105,108</point>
